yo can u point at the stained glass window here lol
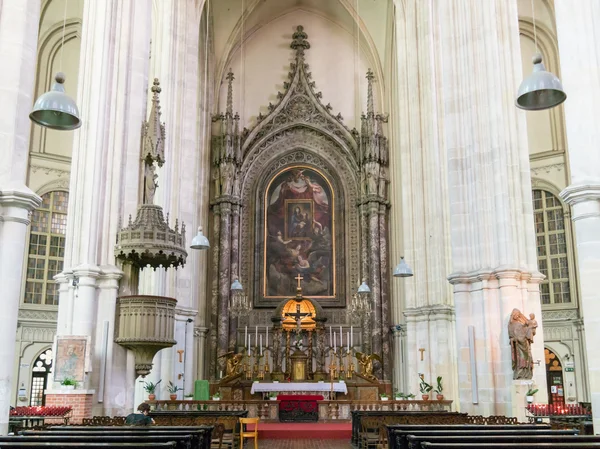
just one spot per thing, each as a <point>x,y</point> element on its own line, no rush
<point>46,249</point>
<point>551,242</point>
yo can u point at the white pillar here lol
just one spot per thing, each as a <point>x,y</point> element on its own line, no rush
<point>19,22</point>
<point>200,334</point>
<point>491,219</point>
<point>105,170</point>
<point>576,24</point>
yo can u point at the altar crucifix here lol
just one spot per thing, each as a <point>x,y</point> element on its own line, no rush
<point>298,317</point>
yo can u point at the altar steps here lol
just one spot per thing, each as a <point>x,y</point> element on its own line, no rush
<point>304,431</point>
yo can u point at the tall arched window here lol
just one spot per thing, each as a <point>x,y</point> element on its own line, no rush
<point>551,248</point>
<point>39,377</point>
<point>46,249</point>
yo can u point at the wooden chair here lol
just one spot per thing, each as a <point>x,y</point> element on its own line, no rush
<point>245,434</point>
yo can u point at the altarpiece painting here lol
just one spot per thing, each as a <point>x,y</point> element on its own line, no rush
<point>299,225</point>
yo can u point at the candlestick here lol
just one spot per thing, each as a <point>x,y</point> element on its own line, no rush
<point>348,340</point>
<point>267,337</point>
<point>245,335</point>
<point>256,337</point>
<point>341,338</point>
<point>330,336</point>
<point>334,343</point>
<point>261,345</point>
<point>248,344</point>
<point>351,338</point>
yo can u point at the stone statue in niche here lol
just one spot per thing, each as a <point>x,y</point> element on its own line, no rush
<point>383,181</point>
<point>150,183</point>
<point>521,331</point>
<point>237,184</point>
<point>372,170</point>
<point>227,175</point>
<point>216,180</point>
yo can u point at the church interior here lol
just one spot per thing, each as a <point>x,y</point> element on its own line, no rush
<point>351,213</point>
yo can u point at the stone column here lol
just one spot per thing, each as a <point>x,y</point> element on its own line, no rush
<point>112,92</point>
<point>491,217</point>
<point>224,284</point>
<point>235,252</point>
<point>214,298</point>
<point>19,22</point>
<point>200,333</point>
<point>375,284</point>
<point>576,24</point>
<point>385,306</point>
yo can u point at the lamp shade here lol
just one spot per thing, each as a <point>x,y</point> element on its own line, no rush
<point>402,270</point>
<point>236,286</point>
<point>540,90</point>
<point>364,288</point>
<point>200,241</point>
<point>55,109</point>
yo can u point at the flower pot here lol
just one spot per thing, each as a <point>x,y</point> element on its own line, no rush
<point>425,397</point>
<point>440,397</point>
<point>151,396</point>
<point>273,399</point>
<point>216,399</point>
<point>397,398</point>
<point>384,399</point>
<point>67,387</point>
<point>189,398</point>
<point>173,397</point>
<point>529,399</point>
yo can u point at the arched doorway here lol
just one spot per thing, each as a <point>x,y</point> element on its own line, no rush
<point>554,378</point>
<point>39,377</point>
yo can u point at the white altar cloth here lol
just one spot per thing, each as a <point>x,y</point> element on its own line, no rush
<point>303,387</point>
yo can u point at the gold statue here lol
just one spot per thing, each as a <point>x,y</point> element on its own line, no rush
<point>233,363</point>
<point>366,364</point>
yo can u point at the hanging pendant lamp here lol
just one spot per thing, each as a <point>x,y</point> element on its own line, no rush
<point>540,90</point>
<point>55,109</point>
<point>200,241</point>
<point>402,270</point>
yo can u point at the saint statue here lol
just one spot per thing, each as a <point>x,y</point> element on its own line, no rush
<point>366,364</point>
<point>521,331</point>
<point>150,183</point>
<point>233,363</point>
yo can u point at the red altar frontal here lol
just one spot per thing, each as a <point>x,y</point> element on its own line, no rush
<point>299,407</point>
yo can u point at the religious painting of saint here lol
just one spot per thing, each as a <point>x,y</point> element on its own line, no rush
<point>299,230</point>
<point>70,358</point>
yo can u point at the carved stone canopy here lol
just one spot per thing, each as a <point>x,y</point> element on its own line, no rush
<point>150,241</point>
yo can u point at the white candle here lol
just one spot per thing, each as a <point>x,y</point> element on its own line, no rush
<point>351,338</point>
<point>248,344</point>
<point>330,336</point>
<point>334,343</point>
<point>348,340</point>
<point>267,337</point>
<point>261,344</point>
<point>245,335</point>
<point>221,375</point>
<point>256,337</point>
<point>341,337</point>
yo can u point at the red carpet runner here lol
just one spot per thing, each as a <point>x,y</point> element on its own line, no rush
<point>304,431</point>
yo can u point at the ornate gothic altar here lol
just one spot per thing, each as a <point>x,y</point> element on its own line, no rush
<point>299,197</point>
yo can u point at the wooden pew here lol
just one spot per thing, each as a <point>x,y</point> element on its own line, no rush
<point>397,433</point>
<point>405,417</point>
<point>415,441</point>
<point>427,445</point>
<point>200,436</point>
<point>52,445</point>
<point>181,441</point>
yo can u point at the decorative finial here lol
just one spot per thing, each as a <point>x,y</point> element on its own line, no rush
<point>370,77</point>
<point>230,79</point>
<point>153,131</point>
<point>299,42</point>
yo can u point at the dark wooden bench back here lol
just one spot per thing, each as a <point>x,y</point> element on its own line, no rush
<point>415,441</point>
<point>428,445</point>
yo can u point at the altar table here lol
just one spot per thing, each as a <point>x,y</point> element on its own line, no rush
<point>300,388</point>
<point>299,407</point>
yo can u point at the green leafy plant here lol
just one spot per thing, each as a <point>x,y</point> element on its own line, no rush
<point>173,389</point>
<point>439,387</point>
<point>424,387</point>
<point>150,387</point>
<point>189,395</point>
<point>272,394</point>
<point>67,381</point>
<point>383,395</point>
<point>217,395</point>
<point>531,392</point>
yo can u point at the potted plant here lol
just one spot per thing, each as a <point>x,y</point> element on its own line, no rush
<point>439,389</point>
<point>384,397</point>
<point>397,395</point>
<point>173,389</point>
<point>216,396</point>
<point>529,395</point>
<point>150,388</point>
<point>189,397</point>
<point>424,387</point>
<point>272,396</point>
<point>68,383</point>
